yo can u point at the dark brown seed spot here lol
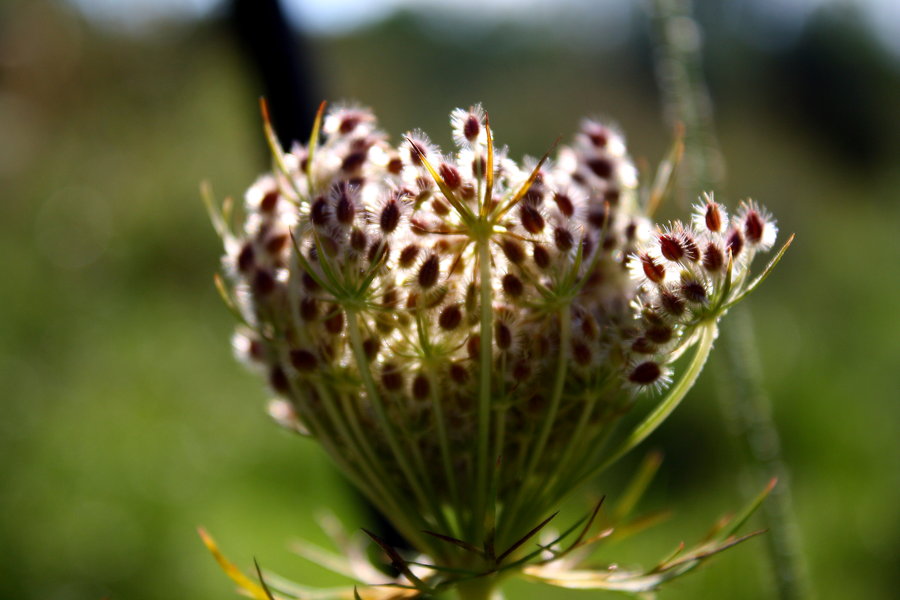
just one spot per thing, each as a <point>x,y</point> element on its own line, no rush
<point>440,207</point>
<point>309,310</point>
<point>564,204</point>
<point>643,346</point>
<point>671,303</point>
<point>521,370</point>
<point>318,214</point>
<point>512,285</point>
<point>582,354</point>
<point>358,239</point>
<point>390,298</point>
<point>450,175</point>
<point>303,360</point>
<point>654,272</point>
<point>513,251</point>
<point>503,335</point>
<point>353,161</point>
<point>735,243</point>
<point>377,249</point>
<point>309,283</point>
<point>693,290</point>
<point>473,346</point>
<point>345,210</point>
<point>390,216</point>
<point>459,374</point>
<point>429,272</point>
<point>348,124</point>
<point>408,256</point>
<point>269,202</point>
<point>391,377</point>
<point>645,373</point>
<point>563,239</point>
<point>601,167</point>
<point>335,323</point>
<point>670,247</point>
<point>246,259</point>
<point>713,258</point>
<point>395,166</point>
<point>598,216</point>
<point>420,387</point>
<point>479,166</point>
<point>541,256</point>
<point>713,217</point>
<point>370,347</point>
<point>691,251</point>
<point>417,152</point>
<point>279,381</point>
<point>276,244</point>
<point>753,227</point>
<point>612,196</point>
<point>263,283</point>
<point>659,334</point>
<point>471,128</point>
<point>450,317</point>
<point>532,220</point>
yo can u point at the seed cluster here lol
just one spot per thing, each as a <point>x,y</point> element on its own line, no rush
<point>385,289</point>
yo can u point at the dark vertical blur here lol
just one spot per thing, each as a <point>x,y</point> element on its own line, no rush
<point>280,61</point>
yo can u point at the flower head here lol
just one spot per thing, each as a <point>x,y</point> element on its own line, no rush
<point>460,332</point>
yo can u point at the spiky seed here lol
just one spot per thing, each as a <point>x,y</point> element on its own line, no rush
<point>753,227</point>
<point>309,310</point>
<point>471,128</point>
<point>512,285</point>
<point>713,217</point>
<point>693,291</point>
<point>391,377</point>
<point>563,239</point>
<point>532,220</point>
<point>246,258</point>
<point>303,360</point>
<point>713,258</point>
<point>269,202</point>
<point>646,373</point>
<point>541,256</point>
<point>358,239</point>
<point>503,335</point>
<point>390,216</point>
<point>335,323</point>
<point>512,250</point>
<point>429,272</point>
<point>318,213</point>
<point>450,317</point>
<point>601,167</point>
<point>564,204</point>
<point>450,175</point>
<point>408,256</point>
<point>263,282</point>
<point>654,272</point>
<point>735,242</point>
<point>670,247</point>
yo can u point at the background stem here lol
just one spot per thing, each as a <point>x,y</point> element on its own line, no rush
<point>742,396</point>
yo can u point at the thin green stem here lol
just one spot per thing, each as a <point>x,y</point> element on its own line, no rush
<point>486,340</point>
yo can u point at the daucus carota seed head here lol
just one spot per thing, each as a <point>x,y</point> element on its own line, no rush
<point>459,333</point>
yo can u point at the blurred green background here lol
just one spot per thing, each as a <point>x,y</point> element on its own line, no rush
<point>126,423</point>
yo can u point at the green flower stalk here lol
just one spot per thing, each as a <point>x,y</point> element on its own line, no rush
<point>462,334</point>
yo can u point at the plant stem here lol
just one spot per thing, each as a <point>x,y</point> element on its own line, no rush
<point>476,589</point>
<point>686,100</point>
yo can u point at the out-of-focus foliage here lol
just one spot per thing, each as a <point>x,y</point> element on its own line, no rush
<point>126,423</point>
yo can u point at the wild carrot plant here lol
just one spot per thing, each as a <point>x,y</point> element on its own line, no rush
<point>467,337</point>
